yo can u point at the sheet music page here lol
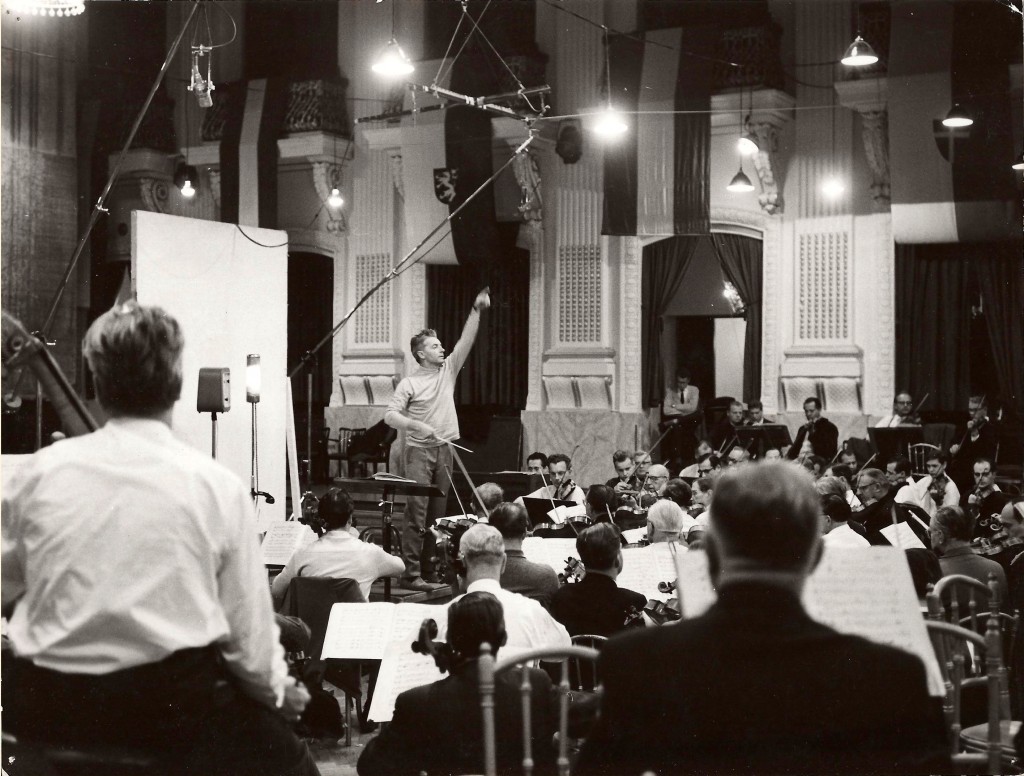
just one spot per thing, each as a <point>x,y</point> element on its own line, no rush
<point>550,552</point>
<point>635,535</point>
<point>361,631</point>
<point>401,669</point>
<point>644,567</point>
<point>283,539</point>
<point>902,536</point>
<point>866,592</point>
<point>408,617</point>
<point>557,515</point>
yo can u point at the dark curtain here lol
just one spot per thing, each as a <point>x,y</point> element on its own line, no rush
<point>664,265</point>
<point>1000,276</point>
<point>495,373</point>
<point>741,259</point>
<point>933,323</point>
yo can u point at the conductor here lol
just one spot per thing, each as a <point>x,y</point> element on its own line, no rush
<point>424,407</point>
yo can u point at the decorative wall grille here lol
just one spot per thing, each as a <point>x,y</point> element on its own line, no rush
<point>373,320</point>
<point>823,269</point>
<point>579,294</point>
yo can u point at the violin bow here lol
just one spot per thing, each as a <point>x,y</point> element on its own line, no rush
<point>462,468</point>
<point>862,468</point>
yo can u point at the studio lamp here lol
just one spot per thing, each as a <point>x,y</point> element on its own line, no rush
<point>335,199</point>
<point>184,177</point>
<point>859,54</point>
<point>392,61</point>
<point>740,183</point>
<point>957,117</point>
<point>252,378</point>
<point>747,144</point>
<point>610,123</point>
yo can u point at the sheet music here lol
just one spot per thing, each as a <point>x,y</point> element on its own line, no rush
<point>550,552</point>
<point>283,539</point>
<point>866,592</point>
<point>644,567</point>
<point>902,536</point>
<point>401,670</point>
<point>361,631</point>
<point>635,535</point>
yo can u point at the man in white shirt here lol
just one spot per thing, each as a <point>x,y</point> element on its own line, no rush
<point>338,554</point>
<point>141,610</point>
<point>528,624</point>
<point>562,487</point>
<point>836,527</point>
<point>897,471</point>
<point>902,413</point>
<point>680,417</point>
<point>936,489</point>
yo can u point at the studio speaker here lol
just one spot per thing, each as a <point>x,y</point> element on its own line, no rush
<point>214,389</point>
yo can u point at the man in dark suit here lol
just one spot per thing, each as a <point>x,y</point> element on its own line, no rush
<point>437,727</point>
<point>876,493</point>
<point>596,604</point>
<point>819,432</point>
<point>520,575</point>
<point>754,685</point>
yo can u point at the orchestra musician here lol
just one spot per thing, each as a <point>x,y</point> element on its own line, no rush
<point>902,413</point>
<point>755,414</point>
<point>985,500</point>
<point>980,440</point>
<point>533,580</point>
<point>819,434</point>
<point>625,482</point>
<point>596,604</point>
<point>723,435</point>
<point>936,489</point>
<point>561,487</point>
<point>537,463</point>
<point>141,611</point>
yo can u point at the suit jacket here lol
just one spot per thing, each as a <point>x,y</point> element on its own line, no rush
<point>754,686</point>
<point>438,728</point>
<point>594,605</point>
<point>723,436</point>
<point>824,439</point>
<point>528,578</point>
<point>877,515</point>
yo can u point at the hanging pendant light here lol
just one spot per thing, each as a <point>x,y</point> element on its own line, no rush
<point>335,199</point>
<point>392,61</point>
<point>957,117</point>
<point>185,177</point>
<point>740,183</point>
<point>610,123</point>
<point>747,144</point>
<point>859,54</point>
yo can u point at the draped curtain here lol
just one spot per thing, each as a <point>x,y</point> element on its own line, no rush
<point>664,265</point>
<point>1000,275</point>
<point>742,262</point>
<point>495,373</point>
<point>933,323</point>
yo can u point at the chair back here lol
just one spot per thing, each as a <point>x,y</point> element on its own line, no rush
<point>953,647</point>
<point>918,455</point>
<point>489,669</point>
<point>337,448</point>
<point>311,598</point>
<point>583,673</point>
<point>716,409</point>
<point>942,435</point>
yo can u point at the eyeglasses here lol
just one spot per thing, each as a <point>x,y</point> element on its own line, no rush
<point>981,474</point>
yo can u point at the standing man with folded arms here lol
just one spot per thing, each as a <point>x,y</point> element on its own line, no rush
<point>424,407</point>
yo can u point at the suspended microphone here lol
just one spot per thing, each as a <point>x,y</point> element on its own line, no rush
<point>267,496</point>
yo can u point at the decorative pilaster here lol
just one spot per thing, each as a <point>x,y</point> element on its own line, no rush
<point>395,160</point>
<point>869,97</point>
<point>771,248</point>
<point>883,349</point>
<point>631,353</point>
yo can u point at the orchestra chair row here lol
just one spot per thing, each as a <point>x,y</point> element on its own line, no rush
<point>360,451</point>
<point>969,646</point>
<point>311,599</point>
<point>490,669</point>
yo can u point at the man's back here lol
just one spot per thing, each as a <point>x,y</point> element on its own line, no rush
<point>527,578</point>
<point>755,686</point>
<point>964,560</point>
<point>595,605</point>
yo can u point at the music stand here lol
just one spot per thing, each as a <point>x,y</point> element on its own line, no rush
<point>537,508</point>
<point>388,486</point>
<point>891,441</point>
<point>764,437</point>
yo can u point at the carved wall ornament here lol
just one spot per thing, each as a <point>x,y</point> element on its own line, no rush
<point>327,176</point>
<point>395,160</point>
<point>875,126</point>
<point>764,161</point>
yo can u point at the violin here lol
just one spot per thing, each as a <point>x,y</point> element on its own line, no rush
<point>447,537</point>
<point>634,618</point>
<point>666,587</point>
<point>574,571</point>
<point>442,653</point>
<point>664,611</point>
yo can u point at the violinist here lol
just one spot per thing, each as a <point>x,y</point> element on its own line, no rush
<point>625,482</point>
<point>980,440</point>
<point>724,435</point>
<point>436,728</point>
<point>985,499</point>
<point>755,414</point>
<point>819,434</point>
<point>936,489</point>
<point>667,522</point>
<point>596,604</point>
<point>903,413</point>
<point>561,487</point>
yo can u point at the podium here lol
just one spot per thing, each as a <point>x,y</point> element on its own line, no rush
<point>389,486</point>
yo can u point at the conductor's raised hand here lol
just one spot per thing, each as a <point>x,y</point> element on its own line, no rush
<point>483,299</point>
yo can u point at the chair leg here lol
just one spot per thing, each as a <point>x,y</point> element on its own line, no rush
<point>348,720</point>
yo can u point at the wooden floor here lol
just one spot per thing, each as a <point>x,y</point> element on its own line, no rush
<point>333,758</point>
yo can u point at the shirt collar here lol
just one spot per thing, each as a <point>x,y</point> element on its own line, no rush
<point>955,551</point>
<point>144,427</point>
<point>485,586</point>
<point>514,553</point>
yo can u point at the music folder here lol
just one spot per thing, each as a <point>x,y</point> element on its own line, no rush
<point>537,509</point>
<point>890,442</point>
<point>757,439</point>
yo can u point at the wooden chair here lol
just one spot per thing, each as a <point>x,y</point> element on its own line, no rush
<point>583,673</point>
<point>370,448</point>
<point>310,599</point>
<point>918,455</point>
<point>964,601</point>
<point>953,647</point>
<point>489,670</point>
<point>337,449</point>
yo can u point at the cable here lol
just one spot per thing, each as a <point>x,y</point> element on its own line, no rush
<point>469,35</point>
<point>447,51</point>
<point>257,242</point>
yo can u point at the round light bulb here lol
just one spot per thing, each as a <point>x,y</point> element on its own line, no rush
<point>335,199</point>
<point>186,189</point>
<point>957,118</point>
<point>833,188</point>
<point>859,54</point>
<point>392,61</point>
<point>747,145</point>
<point>610,123</point>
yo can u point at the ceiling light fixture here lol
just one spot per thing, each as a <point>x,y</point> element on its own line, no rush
<point>957,117</point>
<point>859,54</point>
<point>610,122</point>
<point>335,199</point>
<point>47,7</point>
<point>740,183</point>
<point>392,61</point>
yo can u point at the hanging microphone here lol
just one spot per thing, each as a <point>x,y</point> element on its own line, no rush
<point>199,87</point>
<point>267,496</point>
